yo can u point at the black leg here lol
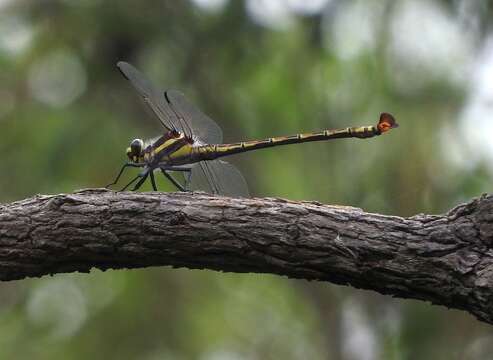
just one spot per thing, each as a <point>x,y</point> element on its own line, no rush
<point>153,182</point>
<point>121,172</point>
<point>176,168</point>
<point>187,176</point>
<point>141,181</point>
<point>188,180</point>
<point>130,183</point>
<point>173,180</point>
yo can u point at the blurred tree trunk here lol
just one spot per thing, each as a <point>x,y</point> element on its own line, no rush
<point>446,259</point>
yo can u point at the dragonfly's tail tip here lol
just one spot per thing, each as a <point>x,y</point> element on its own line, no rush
<point>386,122</point>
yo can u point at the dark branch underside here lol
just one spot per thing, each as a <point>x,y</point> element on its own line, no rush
<point>445,259</point>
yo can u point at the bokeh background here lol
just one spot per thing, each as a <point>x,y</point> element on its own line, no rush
<point>260,68</point>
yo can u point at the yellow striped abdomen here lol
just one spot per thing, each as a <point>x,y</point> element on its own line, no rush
<point>210,152</point>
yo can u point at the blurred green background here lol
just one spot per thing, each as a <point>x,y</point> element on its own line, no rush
<point>260,68</point>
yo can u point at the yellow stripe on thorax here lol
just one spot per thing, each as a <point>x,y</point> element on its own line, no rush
<point>183,151</point>
<point>165,145</point>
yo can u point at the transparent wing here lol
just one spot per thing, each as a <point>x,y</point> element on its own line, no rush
<point>193,122</point>
<point>218,177</point>
<point>172,108</point>
<point>152,95</point>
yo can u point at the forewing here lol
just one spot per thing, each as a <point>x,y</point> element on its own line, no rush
<point>152,96</point>
<point>218,177</point>
<point>193,122</point>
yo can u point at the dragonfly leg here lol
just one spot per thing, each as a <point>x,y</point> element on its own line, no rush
<point>173,180</point>
<point>177,168</point>
<point>121,172</point>
<point>130,183</point>
<point>187,176</point>
<point>141,181</point>
<point>153,181</point>
<point>188,180</point>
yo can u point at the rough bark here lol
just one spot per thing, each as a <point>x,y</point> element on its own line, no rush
<point>446,259</point>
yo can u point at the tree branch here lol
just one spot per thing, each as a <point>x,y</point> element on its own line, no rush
<point>446,259</point>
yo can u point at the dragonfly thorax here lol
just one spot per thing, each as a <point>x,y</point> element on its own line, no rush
<point>134,152</point>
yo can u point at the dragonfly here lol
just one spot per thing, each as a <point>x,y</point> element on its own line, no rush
<point>192,143</point>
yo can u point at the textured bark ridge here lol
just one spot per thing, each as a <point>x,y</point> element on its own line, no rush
<point>446,259</point>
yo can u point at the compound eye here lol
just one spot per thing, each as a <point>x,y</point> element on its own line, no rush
<point>136,146</point>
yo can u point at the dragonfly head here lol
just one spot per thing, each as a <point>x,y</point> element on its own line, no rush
<point>134,152</point>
